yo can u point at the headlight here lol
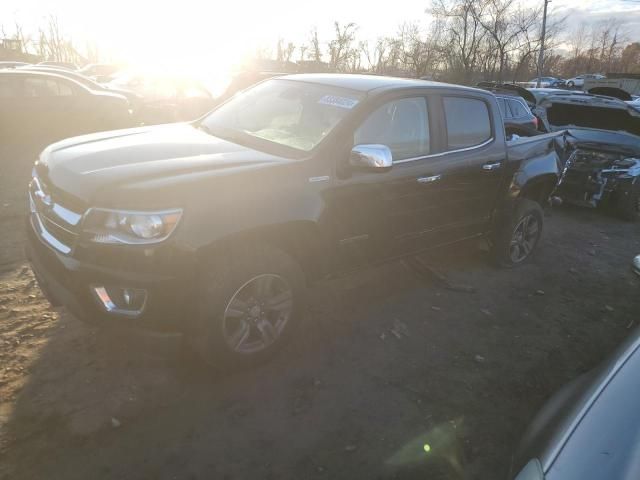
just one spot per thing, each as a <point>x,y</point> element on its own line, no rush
<point>128,227</point>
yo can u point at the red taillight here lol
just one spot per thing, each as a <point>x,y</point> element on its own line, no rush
<point>535,121</point>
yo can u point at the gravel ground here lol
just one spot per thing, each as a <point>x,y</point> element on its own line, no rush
<point>386,361</point>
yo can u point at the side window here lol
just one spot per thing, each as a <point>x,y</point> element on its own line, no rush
<point>468,122</point>
<point>517,108</point>
<point>402,125</point>
<point>45,87</point>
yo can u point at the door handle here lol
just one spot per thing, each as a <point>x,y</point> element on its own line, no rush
<point>491,166</point>
<point>431,179</point>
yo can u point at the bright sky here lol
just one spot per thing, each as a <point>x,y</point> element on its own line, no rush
<point>188,32</point>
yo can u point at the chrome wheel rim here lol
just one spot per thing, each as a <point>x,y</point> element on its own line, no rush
<point>524,238</point>
<point>257,313</point>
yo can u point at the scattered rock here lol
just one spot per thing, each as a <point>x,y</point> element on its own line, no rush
<point>31,297</point>
<point>540,292</point>
<point>608,308</point>
<point>115,423</point>
<point>350,448</point>
<point>591,252</point>
<point>486,312</point>
<point>383,336</point>
<point>480,359</point>
<point>573,270</point>
<point>435,309</point>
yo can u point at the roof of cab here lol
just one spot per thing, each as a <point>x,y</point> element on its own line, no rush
<point>368,83</point>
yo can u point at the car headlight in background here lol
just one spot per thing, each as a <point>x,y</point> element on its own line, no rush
<point>129,227</point>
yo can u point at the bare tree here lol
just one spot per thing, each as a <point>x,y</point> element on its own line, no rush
<point>316,51</point>
<point>464,32</point>
<point>341,49</point>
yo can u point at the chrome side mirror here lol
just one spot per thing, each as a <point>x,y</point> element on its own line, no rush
<point>375,157</point>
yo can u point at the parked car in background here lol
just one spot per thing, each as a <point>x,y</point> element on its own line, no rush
<point>164,98</point>
<point>589,430</point>
<point>579,80</point>
<point>67,65</point>
<point>547,82</point>
<point>86,81</point>
<point>100,72</point>
<point>516,113</point>
<point>12,64</point>
<point>39,107</point>
<point>212,229</point>
<point>516,105</point>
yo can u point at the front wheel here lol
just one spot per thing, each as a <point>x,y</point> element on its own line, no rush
<point>517,238</point>
<point>252,298</point>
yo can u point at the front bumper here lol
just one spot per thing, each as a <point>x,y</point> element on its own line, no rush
<point>66,281</point>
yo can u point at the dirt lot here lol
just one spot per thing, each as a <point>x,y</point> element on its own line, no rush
<point>385,363</point>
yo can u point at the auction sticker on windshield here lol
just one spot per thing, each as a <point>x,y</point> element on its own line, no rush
<point>336,101</point>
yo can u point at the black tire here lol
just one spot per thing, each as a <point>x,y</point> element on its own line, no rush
<point>222,279</point>
<point>628,205</point>
<point>570,84</point>
<point>503,247</point>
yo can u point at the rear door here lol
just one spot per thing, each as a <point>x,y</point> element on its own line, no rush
<point>476,143</point>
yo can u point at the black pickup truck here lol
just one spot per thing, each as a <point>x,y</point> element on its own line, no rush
<point>213,229</point>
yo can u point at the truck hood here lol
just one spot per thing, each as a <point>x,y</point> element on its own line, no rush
<point>90,165</point>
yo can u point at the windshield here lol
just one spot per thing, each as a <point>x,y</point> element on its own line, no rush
<point>289,113</point>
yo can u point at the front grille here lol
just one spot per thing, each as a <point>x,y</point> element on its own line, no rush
<point>57,225</point>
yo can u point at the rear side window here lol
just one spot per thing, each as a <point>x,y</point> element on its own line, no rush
<point>517,108</point>
<point>45,87</point>
<point>402,125</point>
<point>468,122</point>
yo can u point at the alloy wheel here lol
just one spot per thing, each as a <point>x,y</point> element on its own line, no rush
<point>257,313</point>
<point>524,238</point>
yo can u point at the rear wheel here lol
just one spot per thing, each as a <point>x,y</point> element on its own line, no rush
<point>515,241</point>
<point>571,84</point>
<point>251,302</point>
